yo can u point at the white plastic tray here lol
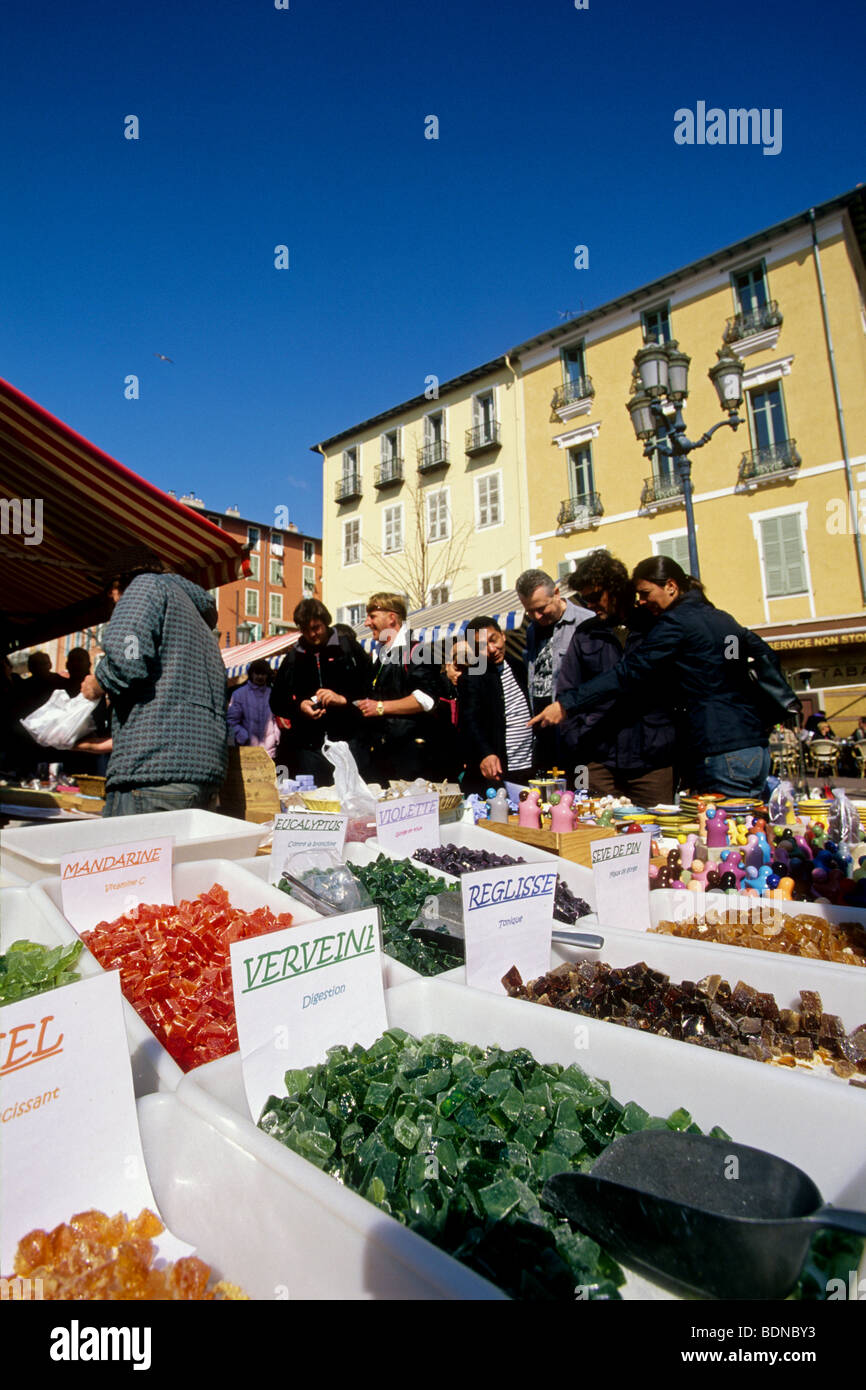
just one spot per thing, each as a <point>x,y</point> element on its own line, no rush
<point>264,1218</point>
<point>801,1118</point>
<point>36,850</point>
<point>577,876</point>
<point>153,1069</point>
<point>22,919</point>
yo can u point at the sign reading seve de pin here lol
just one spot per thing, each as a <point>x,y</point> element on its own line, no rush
<point>620,870</point>
<point>69,1139</point>
<point>408,823</point>
<point>300,991</point>
<point>507,920</point>
<point>97,885</point>
<point>301,830</point>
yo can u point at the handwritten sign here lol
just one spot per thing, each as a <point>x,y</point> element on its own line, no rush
<point>300,991</point>
<point>407,824</point>
<point>620,870</point>
<point>300,830</point>
<point>97,885</point>
<point>507,920</point>
<point>69,1138</point>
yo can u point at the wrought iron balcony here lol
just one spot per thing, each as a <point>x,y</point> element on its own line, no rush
<point>433,456</point>
<point>577,513</point>
<point>660,492</point>
<point>348,486</point>
<point>741,326</point>
<point>388,473</point>
<point>579,388</point>
<point>481,437</point>
<point>773,461</point>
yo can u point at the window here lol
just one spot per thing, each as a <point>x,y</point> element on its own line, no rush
<point>665,471</point>
<point>750,288</point>
<point>767,416</point>
<point>484,417</point>
<point>784,555</point>
<point>434,428</point>
<point>354,613</point>
<point>487,500</point>
<point>309,581</point>
<point>580,477</point>
<point>563,570</point>
<point>438,522</point>
<point>440,594</point>
<point>491,584</point>
<point>676,548</point>
<point>276,606</point>
<point>251,605</point>
<point>253,536</point>
<point>255,572</point>
<point>573,364</point>
<point>350,463</point>
<point>390,446</point>
<point>277,572</point>
<point>309,553</point>
<point>656,324</point>
<point>276,543</point>
<point>392,526</point>
<point>352,542</point>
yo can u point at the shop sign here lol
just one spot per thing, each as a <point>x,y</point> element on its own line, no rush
<point>408,823</point>
<point>305,830</point>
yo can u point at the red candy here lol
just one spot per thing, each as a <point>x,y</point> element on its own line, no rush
<point>175,971</point>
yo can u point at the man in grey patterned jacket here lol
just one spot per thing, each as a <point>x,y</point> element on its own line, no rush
<point>164,675</point>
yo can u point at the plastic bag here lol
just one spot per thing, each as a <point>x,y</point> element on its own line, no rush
<point>326,874</point>
<point>356,799</point>
<point>61,722</point>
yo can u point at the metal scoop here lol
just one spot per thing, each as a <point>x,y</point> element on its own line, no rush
<point>701,1217</point>
<point>443,914</point>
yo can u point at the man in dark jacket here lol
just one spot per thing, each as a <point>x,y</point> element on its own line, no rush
<point>164,675</point>
<point>623,746</point>
<point>315,688</point>
<point>493,706</point>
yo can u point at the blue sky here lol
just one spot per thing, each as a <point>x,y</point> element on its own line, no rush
<point>408,256</point>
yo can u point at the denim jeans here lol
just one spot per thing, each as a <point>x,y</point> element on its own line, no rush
<point>743,771</point>
<point>171,796</point>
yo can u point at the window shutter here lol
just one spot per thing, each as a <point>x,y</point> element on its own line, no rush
<point>792,553</point>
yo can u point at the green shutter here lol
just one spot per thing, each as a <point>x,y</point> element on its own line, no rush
<point>784,557</point>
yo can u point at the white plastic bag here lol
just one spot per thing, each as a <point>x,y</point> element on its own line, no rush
<point>61,721</point>
<point>355,797</point>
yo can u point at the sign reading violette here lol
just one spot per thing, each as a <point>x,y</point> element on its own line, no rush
<point>302,830</point>
<point>300,991</point>
<point>407,824</point>
<point>507,920</point>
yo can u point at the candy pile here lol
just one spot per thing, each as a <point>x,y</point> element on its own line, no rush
<point>458,860</point>
<point>399,889</point>
<point>107,1257</point>
<point>742,1021</point>
<point>175,971</point>
<point>762,930</point>
<point>29,968</point>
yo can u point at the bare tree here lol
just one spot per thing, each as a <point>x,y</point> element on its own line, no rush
<point>423,564</point>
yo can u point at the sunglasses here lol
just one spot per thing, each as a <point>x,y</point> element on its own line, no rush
<point>592,598</point>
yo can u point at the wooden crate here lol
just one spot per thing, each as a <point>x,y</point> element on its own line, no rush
<point>63,801</point>
<point>568,844</point>
<point>250,788</point>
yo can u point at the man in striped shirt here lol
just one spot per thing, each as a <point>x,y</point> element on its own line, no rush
<point>494,712</point>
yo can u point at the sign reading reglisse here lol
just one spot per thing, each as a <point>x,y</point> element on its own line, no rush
<point>507,920</point>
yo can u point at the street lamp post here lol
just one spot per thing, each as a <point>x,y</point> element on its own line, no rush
<point>659,389</point>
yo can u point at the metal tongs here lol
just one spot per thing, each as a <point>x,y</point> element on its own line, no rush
<point>447,908</point>
<point>308,897</point>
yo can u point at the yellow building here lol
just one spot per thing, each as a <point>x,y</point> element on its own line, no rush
<point>532,459</point>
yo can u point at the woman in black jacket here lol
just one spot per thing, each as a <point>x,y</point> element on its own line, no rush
<point>625,745</point>
<point>703,652</point>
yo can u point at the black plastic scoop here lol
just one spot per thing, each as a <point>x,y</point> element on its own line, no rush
<point>699,1216</point>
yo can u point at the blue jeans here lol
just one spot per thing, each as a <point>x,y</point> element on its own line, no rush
<point>171,796</point>
<point>741,772</point>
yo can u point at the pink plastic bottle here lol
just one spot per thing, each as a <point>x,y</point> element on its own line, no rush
<point>561,815</point>
<point>529,810</point>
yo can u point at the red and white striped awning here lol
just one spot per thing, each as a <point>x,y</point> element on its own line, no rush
<point>238,659</point>
<point>91,506</point>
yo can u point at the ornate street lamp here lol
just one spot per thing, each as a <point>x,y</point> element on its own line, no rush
<point>660,386</point>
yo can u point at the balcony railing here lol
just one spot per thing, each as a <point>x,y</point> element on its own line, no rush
<point>388,473</point>
<point>579,512</point>
<point>661,492</point>
<point>767,315</point>
<point>348,486</point>
<point>579,388</point>
<point>433,456</point>
<point>773,461</point>
<point>484,436</point>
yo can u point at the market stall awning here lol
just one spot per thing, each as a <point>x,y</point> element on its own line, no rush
<point>238,659</point>
<point>448,619</point>
<point>65,508</point>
